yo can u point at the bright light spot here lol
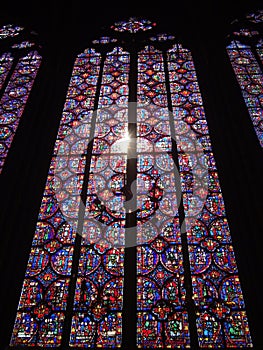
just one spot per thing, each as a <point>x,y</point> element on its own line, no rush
<point>122,145</point>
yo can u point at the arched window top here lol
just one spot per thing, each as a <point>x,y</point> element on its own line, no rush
<point>237,44</point>
<point>32,55</point>
<point>177,47</point>
<point>149,49</point>
<point>162,37</point>
<point>89,52</point>
<point>6,56</point>
<point>118,51</point>
<point>260,43</point>
<point>104,40</point>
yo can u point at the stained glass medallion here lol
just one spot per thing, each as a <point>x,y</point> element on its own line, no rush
<point>133,25</point>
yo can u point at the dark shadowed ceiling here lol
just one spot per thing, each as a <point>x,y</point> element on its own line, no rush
<point>79,21</point>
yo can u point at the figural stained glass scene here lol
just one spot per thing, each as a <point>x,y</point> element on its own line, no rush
<point>132,245</point>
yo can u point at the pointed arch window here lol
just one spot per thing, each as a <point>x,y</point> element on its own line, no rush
<point>132,246</point>
<point>19,63</point>
<point>246,56</point>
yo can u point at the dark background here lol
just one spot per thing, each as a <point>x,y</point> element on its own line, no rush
<point>65,29</point>
<point>62,22</point>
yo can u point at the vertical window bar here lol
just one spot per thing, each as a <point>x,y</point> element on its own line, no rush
<point>129,292</point>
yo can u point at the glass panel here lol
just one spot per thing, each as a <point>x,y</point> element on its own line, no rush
<point>162,316</point>
<point>249,77</point>
<point>97,318</point>
<point>92,150</point>
<point>6,61</point>
<point>14,99</point>
<point>43,301</point>
<point>221,319</point>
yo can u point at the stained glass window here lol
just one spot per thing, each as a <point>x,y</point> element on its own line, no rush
<point>132,246</point>
<point>245,53</point>
<point>18,70</point>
